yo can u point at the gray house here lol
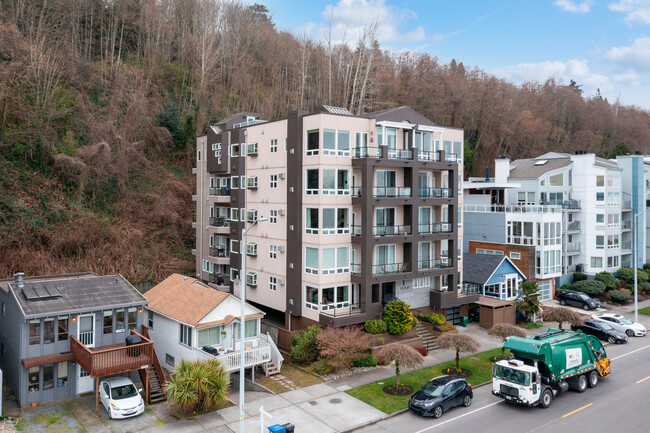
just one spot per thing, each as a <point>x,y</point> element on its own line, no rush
<point>60,334</point>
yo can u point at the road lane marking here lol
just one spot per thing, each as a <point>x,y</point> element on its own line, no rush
<point>460,416</point>
<point>639,381</point>
<point>629,353</point>
<point>577,410</point>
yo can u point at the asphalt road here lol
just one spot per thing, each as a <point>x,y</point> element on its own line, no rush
<point>618,403</point>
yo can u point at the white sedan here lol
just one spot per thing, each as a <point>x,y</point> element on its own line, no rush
<point>121,398</point>
<point>621,324</point>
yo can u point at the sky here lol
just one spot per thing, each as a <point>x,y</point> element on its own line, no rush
<point>600,44</point>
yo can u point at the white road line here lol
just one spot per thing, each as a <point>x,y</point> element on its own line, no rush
<point>629,353</point>
<point>460,416</point>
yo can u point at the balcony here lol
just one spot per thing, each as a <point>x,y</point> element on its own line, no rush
<point>626,201</point>
<point>219,279</point>
<point>355,268</point>
<point>391,191</point>
<point>451,157</point>
<point>573,247</point>
<point>443,262</point>
<point>480,208</point>
<point>223,191</point>
<point>341,313</point>
<point>435,228</point>
<point>573,226</point>
<point>425,155</point>
<point>626,245</point>
<point>219,221</point>
<point>368,152</point>
<point>571,205</point>
<point>382,231</point>
<point>219,252</point>
<point>106,360</point>
<point>391,268</point>
<point>435,192</point>
<point>627,225</point>
<point>400,154</point>
<point>447,298</point>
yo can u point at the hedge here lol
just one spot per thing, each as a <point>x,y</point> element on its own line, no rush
<point>375,326</point>
<point>579,276</point>
<point>627,274</point>
<point>590,287</point>
<point>618,296</point>
<point>610,281</point>
<point>304,348</point>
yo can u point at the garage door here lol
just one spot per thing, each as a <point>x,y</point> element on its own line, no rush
<point>452,314</point>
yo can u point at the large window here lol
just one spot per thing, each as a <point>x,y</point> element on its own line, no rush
<point>273,181</point>
<point>600,180</point>
<point>108,322</point>
<point>63,328</point>
<point>34,332</point>
<point>34,376</point>
<point>274,145</point>
<point>336,221</point>
<point>312,181</point>
<point>335,297</point>
<point>311,221</point>
<point>311,260</point>
<point>62,374</point>
<point>133,317</point>
<point>120,324</point>
<point>596,262</point>
<point>336,142</point>
<point>250,329</point>
<point>335,182</point>
<point>552,262</point>
<point>273,283</point>
<point>612,261</point>
<point>209,336</point>
<point>556,180</point>
<point>311,298</point>
<point>424,250</point>
<point>186,335</point>
<point>336,260</point>
<point>48,377</point>
<point>612,242</point>
<point>48,331</point>
<point>312,142</point>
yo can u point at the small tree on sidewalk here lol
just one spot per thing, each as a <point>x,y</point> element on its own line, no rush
<point>529,304</point>
<point>458,343</point>
<point>561,315</point>
<point>402,355</point>
<point>505,330</point>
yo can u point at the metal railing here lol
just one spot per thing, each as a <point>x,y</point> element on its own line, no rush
<point>435,192</point>
<point>219,252</point>
<point>391,191</point>
<point>391,268</point>
<point>253,356</point>
<point>571,204</point>
<point>573,247</point>
<point>219,221</point>
<point>573,226</point>
<point>451,157</point>
<point>435,228</point>
<point>400,154</point>
<point>443,262</point>
<point>276,356</point>
<point>218,279</point>
<point>490,208</point>
<point>627,224</point>
<point>342,309</point>
<point>223,191</point>
<point>355,268</point>
<point>367,152</point>
<point>356,230</point>
<point>426,155</point>
<point>627,245</point>
<point>391,230</point>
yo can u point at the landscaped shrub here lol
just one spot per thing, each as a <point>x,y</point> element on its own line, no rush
<point>422,351</point>
<point>529,304</point>
<point>304,348</point>
<point>414,322</point>
<point>446,327</point>
<point>645,287</point>
<point>437,319</point>
<point>590,287</point>
<point>367,361</point>
<point>343,346</point>
<point>566,287</point>
<point>627,274</point>
<point>610,281</point>
<point>375,326</point>
<point>579,276</point>
<point>321,367</point>
<point>398,317</point>
<point>646,266</point>
<point>618,296</point>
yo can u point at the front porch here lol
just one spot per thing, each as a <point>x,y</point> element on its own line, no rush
<point>258,351</point>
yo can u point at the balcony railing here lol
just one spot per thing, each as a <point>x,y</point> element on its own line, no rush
<point>627,225</point>
<point>355,268</point>
<point>220,221</point>
<point>626,201</point>
<point>391,191</point>
<point>356,230</point>
<point>341,309</point>
<point>572,247</point>
<point>368,152</point>
<point>391,230</point>
<point>627,245</point>
<point>100,361</point>
<point>400,154</point>
<point>219,279</point>
<point>391,268</point>
<point>435,228</point>
<point>253,356</point>
<point>443,262</point>
<point>487,208</point>
<point>435,192</point>
<point>356,191</point>
<point>573,226</point>
<point>451,157</point>
<point>219,252</point>
<point>425,155</point>
<point>571,204</point>
<point>223,191</point>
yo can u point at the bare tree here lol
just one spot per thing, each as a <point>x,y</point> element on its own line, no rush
<point>505,330</point>
<point>458,343</point>
<point>561,315</point>
<point>402,355</point>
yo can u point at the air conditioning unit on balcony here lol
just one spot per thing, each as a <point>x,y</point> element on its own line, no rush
<point>251,182</point>
<point>251,215</point>
<point>281,175</point>
<point>281,249</point>
<point>251,249</point>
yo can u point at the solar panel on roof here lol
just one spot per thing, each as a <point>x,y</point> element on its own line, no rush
<point>30,294</point>
<point>53,292</point>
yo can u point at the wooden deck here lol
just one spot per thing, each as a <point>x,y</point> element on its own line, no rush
<point>106,360</point>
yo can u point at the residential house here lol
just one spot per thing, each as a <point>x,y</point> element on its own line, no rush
<point>492,275</point>
<point>60,334</point>
<point>361,209</point>
<point>187,319</point>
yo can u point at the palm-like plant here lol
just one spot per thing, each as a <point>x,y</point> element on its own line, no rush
<point>198,386</point>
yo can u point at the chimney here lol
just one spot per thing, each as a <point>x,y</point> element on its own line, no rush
<point>501,169</point>
<point>18,277</point>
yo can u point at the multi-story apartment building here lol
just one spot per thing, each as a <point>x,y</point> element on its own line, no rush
<point>581,204</point>
<point>361,209</point>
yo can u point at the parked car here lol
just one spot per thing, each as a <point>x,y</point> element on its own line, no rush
<point>121,398</point>
<point>441,394</point>
<point>621,324</point>
<point>577,299</point>
<point>602,330</point>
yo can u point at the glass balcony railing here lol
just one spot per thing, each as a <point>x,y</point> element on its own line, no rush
<point>435,192</point>
<point>220,221</point>
<point>443,262</point>
<point>368,152</point>
<point>391,230</point>
<point>391,191</point>
<point>222,191</point>
<point>391,268</point>
<point>435,228</point>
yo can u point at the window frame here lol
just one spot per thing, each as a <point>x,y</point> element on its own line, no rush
<point>185,336</point>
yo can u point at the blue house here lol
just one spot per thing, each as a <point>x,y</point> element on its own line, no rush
<point>491,275</point>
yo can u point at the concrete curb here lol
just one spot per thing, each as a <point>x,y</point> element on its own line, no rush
<point>399,412</point>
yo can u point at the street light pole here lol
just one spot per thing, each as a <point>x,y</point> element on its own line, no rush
<point>242,318</point>
<point>636,290</point>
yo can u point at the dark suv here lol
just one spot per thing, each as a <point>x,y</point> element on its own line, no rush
<point>577,299</point>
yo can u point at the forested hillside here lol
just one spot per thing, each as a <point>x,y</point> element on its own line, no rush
<point>100,102</point>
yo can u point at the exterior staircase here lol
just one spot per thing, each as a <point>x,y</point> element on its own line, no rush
<point>271,369</point>
<point>428,339</point>
<point>154,376</point>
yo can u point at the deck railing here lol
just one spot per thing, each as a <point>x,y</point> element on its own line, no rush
<point>253,356</point>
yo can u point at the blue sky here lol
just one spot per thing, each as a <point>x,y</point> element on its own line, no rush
<point>600,44</point>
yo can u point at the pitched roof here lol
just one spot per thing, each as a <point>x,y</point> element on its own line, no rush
<point>70,294</point>
<point>184,298</point>
<point>400,114</point>
<point>527,168</point>
<point>477,268</point>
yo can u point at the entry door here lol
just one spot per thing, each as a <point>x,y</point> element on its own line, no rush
<point>86,330</point>
<point>84,381</point>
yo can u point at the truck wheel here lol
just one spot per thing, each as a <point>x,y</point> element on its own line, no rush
<point>437,412</point>
<point>592,379</point>
<point>581,383</point>
<point>546,399</point>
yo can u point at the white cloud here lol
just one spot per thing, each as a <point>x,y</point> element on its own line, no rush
<point>635,56</point>
<point>574,69</point>
<point>575,7</point>
<point>636,11</point>
<point>349,17</point>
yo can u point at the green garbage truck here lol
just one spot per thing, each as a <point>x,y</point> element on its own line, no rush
<point>548,364</point>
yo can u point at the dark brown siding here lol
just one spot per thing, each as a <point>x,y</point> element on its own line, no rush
<point>527,262</point>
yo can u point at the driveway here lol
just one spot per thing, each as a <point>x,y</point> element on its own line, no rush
<point>553,303</point>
